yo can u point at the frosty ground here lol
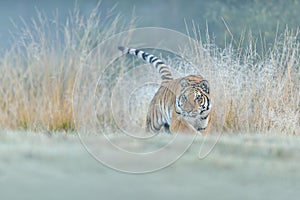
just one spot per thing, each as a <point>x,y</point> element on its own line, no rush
<point>241,166</point>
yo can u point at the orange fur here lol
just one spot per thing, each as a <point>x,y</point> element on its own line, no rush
<point>180,105</point>
<point>163,108</point>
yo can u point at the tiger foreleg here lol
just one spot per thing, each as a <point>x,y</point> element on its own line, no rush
<point>182,126</point>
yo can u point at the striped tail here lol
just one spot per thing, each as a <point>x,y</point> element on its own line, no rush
<point>161,67</point>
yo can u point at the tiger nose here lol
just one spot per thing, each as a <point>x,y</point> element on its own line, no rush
<point>190,107</point>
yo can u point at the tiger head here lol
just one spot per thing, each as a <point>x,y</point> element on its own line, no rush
<point>194,100</point>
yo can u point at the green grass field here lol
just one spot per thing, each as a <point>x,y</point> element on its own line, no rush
<point>39,166</point>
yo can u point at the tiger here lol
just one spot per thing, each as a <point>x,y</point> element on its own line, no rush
<point>181,105</point>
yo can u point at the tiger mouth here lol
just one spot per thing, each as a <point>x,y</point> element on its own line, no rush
<point>201,128</point>
<point>203,118</point>
<point>193,114</point>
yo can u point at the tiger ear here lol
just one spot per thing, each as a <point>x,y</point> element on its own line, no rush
<point>204,85</point>
<point>184,82</point>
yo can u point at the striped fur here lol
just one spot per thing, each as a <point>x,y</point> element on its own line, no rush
<point>159,65</point>
<point>180,105</point>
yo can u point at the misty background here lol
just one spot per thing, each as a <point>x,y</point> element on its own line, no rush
<point>225,19</point>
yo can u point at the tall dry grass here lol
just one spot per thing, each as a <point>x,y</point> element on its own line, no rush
<point>38,71</point>
<point>252,91</point>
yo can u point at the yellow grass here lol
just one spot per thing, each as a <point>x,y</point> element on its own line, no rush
<point>261,90</point>
<point>251,91</point>
<point>38,72</point>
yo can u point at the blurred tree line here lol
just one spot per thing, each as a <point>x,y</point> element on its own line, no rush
<point>263,18</point>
